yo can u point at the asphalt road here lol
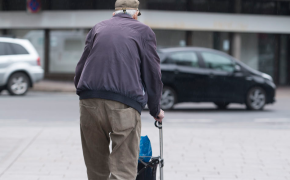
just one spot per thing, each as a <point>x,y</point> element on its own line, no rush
<point>63,107</point>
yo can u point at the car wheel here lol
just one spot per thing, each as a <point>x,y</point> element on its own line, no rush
<point>168,98</point>
<point>18,84</point>
<point>256,99</point>
<point>221,105</point>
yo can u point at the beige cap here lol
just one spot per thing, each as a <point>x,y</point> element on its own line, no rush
<point>127,5</point>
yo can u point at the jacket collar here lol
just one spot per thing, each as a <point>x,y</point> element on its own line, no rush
<point>123,15</point>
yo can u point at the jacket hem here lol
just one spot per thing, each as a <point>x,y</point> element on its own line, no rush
<point>111,96</point>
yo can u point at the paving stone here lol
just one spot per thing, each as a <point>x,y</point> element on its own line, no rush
<point>199,154</point>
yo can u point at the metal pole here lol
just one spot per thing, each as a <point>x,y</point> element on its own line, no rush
<point>161,163</point>
<point>161,150</point>
<point>46,52</point>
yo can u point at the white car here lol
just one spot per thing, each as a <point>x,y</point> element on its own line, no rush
<point>19,66</point>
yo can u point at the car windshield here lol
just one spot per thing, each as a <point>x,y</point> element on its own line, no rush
<point>161,55</point>
<point>247,67</point>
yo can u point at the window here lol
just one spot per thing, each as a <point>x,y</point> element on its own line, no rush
<point>17,49</point>
<point>217,62</point>
<point>13,5</point>
<point>66,47</point>
<point>223,6</point>
<point>259,7</point>
<point>183,59</point>
<point>5,49</point>
<point>161,56</point>
<point>2,48</point>
<point>77,4</point>
<point>73,45</point>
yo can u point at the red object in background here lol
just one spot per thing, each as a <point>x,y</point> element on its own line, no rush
<point>33,6</point>
<point>38,61</point>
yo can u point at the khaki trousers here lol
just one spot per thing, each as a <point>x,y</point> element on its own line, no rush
<point>102,120</point>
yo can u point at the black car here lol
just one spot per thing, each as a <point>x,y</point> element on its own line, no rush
<point>205,75</point>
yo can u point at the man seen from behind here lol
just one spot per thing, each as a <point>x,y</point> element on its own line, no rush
<point>117,75</point>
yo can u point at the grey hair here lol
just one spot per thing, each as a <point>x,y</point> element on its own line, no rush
<point>130,12</point>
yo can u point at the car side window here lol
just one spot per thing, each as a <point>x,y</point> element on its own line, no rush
<point>17,49</point>
<point>2,49</point>
<point>183,59</point>
<point>217,62</point>
<point>5,49</point>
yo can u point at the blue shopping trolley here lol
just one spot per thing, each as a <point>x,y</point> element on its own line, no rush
<point>147,171</point>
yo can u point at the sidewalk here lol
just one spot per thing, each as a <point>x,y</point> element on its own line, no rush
<point>54,153</point>
<point>54,86</point>
<point>64,86</point>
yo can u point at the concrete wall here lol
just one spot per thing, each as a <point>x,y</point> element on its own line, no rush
<point>155,19</point>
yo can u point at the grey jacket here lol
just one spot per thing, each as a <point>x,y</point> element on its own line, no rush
<point>120,63</point>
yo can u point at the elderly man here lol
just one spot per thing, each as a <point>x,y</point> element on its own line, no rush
<point>117,75</point>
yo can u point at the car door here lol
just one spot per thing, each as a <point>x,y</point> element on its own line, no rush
<point>4,60</point>
<point>189,78</point>
<point>223,80</point>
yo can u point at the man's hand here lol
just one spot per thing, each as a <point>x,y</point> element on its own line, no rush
<point>160,116</point>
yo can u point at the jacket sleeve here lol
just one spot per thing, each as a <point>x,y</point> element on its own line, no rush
<point>82,61</point>
<point>151,74</point>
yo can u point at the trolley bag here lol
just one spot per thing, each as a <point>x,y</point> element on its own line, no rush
<point>147,170</point>
<point>145,153</point>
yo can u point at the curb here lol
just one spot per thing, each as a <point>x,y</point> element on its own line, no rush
<point>54,86</point>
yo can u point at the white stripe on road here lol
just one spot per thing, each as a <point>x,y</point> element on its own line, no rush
<point>13,120</point>
<point>272,120</point>
<point>189,120</point>
<point>259,120</point>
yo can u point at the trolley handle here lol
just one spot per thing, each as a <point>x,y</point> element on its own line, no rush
<point>158,124</point>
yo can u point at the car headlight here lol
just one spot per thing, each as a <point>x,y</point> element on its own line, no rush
<point>266,76</point>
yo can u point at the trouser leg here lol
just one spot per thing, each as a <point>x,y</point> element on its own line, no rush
<point>125,136</point>
<point>95,139</point>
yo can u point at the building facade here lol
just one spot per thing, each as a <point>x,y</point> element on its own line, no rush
<point>257,32</point>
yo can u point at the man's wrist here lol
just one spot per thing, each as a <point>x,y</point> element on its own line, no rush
<point>158,113</point>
